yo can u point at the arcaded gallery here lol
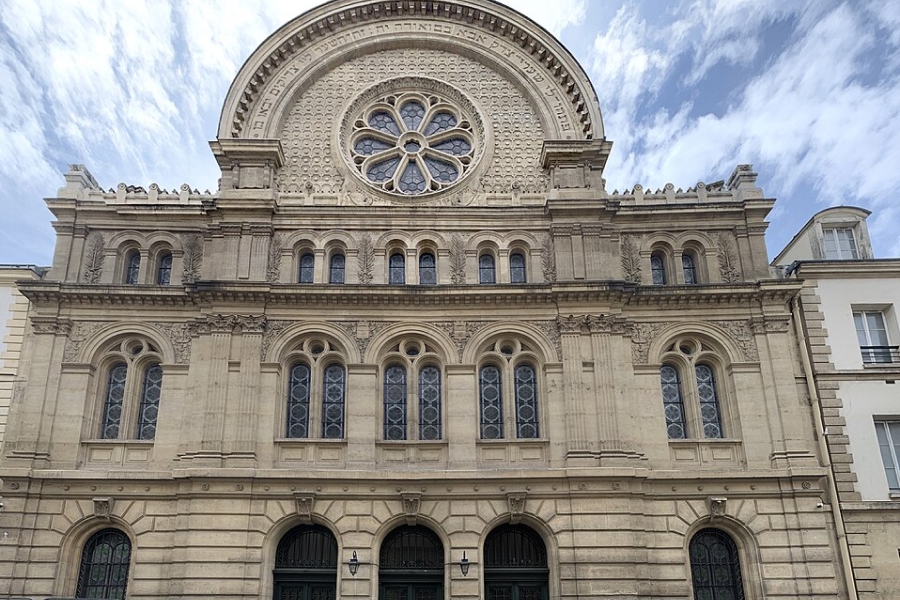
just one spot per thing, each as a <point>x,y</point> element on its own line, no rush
<point>412,348</point>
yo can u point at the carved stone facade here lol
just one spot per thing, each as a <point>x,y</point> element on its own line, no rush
<point>476,350</point>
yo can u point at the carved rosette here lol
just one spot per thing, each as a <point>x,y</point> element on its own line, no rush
<point>225,324</point>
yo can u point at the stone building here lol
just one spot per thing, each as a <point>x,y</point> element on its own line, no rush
<point>848,308</point>
<point>413,348</point>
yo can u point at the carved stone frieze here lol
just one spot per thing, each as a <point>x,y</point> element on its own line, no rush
<point>93,258</point>
<point>764,325</point>
<point>192,258</point>
<point>631,260</point>
<point>572,323</point>
<point>273,265</point>
<point>51,325</point>
<point>231,324</point>
<point>728,258</point>
<point>180,335</point>
<point>605,324</point>
<point>740,331</point>
<point>642,334</point>
<point>548,259</point>
<point>551,330</point>
<point>363,331</point>
<point>80,332</point>
<point>365,259</point>
<point>273,330</point>
<point>457,259</point>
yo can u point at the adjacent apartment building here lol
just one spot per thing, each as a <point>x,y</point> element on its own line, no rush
<point>848,309</point>
<point>413,348</point>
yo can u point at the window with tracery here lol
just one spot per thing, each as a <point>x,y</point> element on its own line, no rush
<point>427,269</point>
<point>689,269</point>
<point>715,566</point>
<point>336,268</point>
<point>316,390</point>
<point>702,415</point>
<point>412,143</point>
<point>132,268</point>
<point>508,385</point>
<point>105,561</point>
<point>517,272</point>
<point>298,402</point>
<point>307,267</point>
<point>164,269</point>
<point>333,397</point>
<point>412,412</point>
<point>487,272</point>
<point>658,268</point>
<point>397,269</point>
<point>132,391</point>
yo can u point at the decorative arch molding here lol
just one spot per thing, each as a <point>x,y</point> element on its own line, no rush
<point>476,346</point>
<point>444,346</point>
<point>337,238</point>
<point>428,238</point>
<point>485,239</point>
<point>72,544</point>
<point>519,237</point>
<point>259,94</point>
<point>392,237</point>
<point>547,533</point>
<point>710,331</point>
<point>127,238</point>
<point>688,239</point>
<point>422,520</point>
<point>282,338</point>
<point>92,348</point>
<point>301,238</point>
<point>159,239</point>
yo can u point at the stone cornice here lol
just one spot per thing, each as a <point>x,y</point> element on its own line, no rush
<point>848,269</point>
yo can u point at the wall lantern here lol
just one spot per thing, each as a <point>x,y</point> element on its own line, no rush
<point>353,564</point>
<point>464,565</point>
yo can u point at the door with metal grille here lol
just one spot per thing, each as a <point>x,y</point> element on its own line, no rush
<point>515,564</point>
<point>306,565</point>
<point>411,565</point>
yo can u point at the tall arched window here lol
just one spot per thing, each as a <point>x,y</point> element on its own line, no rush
<point>149,409</point>
<point>486,271</point>
<point>490,403</point>
<point>111,419</point>
<point>515,564</point>
<point>104,566</point>
<point>710,415</point>
<point>689,269</point>
<point>307,268</point>
<point>397,269</point>
<point>658,268</point>
<point>298,402</point>
<point>517,273</point>
<point>673,404</point>
<point>427,269</point>
<point>430,403</point>
<point>306,564</point>
<point>164,269</point>
<point>526,402</point>
<point>715,566</point>
<point>333,398</point>
<point>336,268</point>
<point>411,565</point>
<point>395,403</point>
<point>132,267</point>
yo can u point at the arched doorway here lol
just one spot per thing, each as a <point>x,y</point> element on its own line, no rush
<point>715,566</point>
<point>306,564</point>
<point>515,564</point>
<point>411,565</point>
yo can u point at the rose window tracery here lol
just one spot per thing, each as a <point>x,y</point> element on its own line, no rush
<point>412,143</point>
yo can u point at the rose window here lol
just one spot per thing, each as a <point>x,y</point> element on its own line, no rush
<point>412,144</point>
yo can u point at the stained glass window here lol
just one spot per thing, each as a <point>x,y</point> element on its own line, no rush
<point>307,267</point>
<point>397,268</point>
<point>333,392</point>
<point>673,405</point>
<point>132,268</point>
<point>395,403</point>
<point>715,566</point>
<point>336,269</point>
<point>104,566</point>
<point>710,414</point>
<point>690,271</point>
<point>149,409</point>
<point>526,402</point>
<point>115,397</point>
<point>491,403</point>
<point>298,402</point>
<point>486,270</point>
<point>517,268</point>
<point>427,269</point>
<point>164,271</point>
<point>658,269</point>
<point>430,403</point>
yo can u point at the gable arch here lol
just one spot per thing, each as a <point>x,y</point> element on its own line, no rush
<point>444,346</point>
<point>702,330</point>
<point>476,347</point>
<point>281,346</point>
<point>92,350</point>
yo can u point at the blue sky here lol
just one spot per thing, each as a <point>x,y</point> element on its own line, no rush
<point>807,91</point>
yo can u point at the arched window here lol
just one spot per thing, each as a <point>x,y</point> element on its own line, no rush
<point>104,565</point>
<point>395,403</point>
<point>397,269</point>
<point>333,397</point>
<point>490,403</point>
<point>307,267</point>
<point>430,403</point>
<point>658,268</point>
<point>111,419</point>
<point>526,402</point>
<point>149,409</point>
<point>427,269</point>
<point>517,273</point>
<point>164,269</point>
<point>411,565</point>
<point>710,415</point>
<point>306,564</point>
<point>673,404</point>
<point>486,272</point>
<point>298,402</point>
<point>336,268</point>
<point>689,269</point>
<point>132,267</point>
<point>515,564</point>
<point>715,566</point>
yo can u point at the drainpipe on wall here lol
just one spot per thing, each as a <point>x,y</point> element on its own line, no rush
<point>843,544</point>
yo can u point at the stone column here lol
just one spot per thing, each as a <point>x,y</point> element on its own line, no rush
<point>219,329</point>
<point>579,451</point>
<point>360,416</point>
<point>461,429</point>
<point>229,261</point>
<point>240,448</point>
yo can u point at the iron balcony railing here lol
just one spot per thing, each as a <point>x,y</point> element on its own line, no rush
<point>880,355</point>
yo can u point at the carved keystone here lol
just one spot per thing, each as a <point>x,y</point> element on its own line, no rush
<point>103,507</point>
<point>412,502</point>
<point>305,503</point>
<point>717,507</point>
<point>516,502</point>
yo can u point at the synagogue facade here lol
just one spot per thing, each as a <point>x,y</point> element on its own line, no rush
<point>412,347</point>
